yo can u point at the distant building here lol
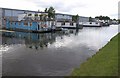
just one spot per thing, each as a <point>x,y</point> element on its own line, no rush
<point>11,14</point>
<point>68,17</point>
<point>63,17</point>
<point>83,19</point>
<point>114,22</point>
<point>16,15</point>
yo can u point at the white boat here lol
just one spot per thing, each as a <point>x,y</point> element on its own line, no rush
<point>91,24</point>
<point>64,29</point>
<point>68,25</point>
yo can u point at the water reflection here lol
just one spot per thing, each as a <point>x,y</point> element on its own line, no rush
<point>34,40</point>
<point>51,54</point>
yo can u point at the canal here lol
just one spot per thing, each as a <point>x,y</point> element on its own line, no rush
<point>51,54</point>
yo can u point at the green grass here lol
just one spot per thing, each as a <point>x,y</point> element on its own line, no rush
<point>104,63</point>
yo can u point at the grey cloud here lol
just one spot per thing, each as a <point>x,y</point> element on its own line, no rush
<point>115,15</point>
<point>59,5</point>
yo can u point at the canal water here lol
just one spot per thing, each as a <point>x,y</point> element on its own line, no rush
<point>51,54</point>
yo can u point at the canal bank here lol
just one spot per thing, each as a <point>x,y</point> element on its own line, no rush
<point>51,54</point>
<point>104,63</point>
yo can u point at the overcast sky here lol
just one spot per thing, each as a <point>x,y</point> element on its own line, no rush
<point>82,7</point>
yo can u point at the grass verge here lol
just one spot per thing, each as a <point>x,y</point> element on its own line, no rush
<point>104,63</point>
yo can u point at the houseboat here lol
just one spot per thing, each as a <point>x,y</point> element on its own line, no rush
<point>29,23</point>
<point>91,24</point>
<point>105,24</point>
<point>30,26</point>
<point>68,25</point>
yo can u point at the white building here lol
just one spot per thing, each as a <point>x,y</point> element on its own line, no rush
<point>63,17</point>
<point>12,14</point>
<point>83,19</point>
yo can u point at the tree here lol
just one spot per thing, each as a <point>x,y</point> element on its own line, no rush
<point>29,17</point>
<point>75,18</point>
<point>41,17</point>
<point>114,19</point>
<point>46,10</point>
<point>90,19</point>
<point>36,15</point>
<point>29,14</point>
<point>51,13</point>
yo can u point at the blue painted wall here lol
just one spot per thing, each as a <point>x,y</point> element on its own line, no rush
<point>7,24</point>
<point>20,25</point>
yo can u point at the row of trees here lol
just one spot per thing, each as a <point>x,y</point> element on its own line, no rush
<point>103,17</point>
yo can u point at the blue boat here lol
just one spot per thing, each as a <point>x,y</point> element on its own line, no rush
<point>32,23</point>
<point>30,26</point>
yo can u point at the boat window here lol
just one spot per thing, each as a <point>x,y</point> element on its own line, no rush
<point>90,22</point>
<point>96,23</point>
<point>30,23</point>
<point>71,24</point>
<point>25,24</point>
<point>63,23</point>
